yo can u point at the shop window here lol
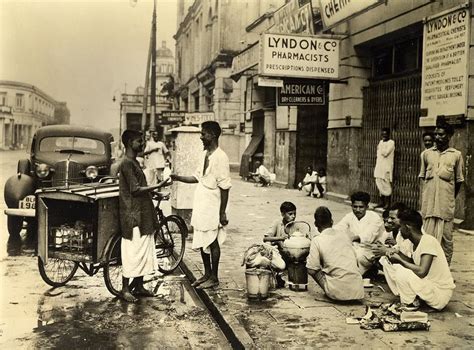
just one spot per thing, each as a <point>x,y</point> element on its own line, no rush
<point>398,58</point>
<point>196,102</point>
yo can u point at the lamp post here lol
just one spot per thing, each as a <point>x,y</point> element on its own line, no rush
<point>120,119</point>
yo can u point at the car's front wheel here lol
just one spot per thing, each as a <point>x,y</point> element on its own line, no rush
<point>15,224</point>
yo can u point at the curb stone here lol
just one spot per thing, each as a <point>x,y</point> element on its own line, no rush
<point>230,326</point>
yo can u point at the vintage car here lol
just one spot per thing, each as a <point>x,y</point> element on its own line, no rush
<point>60,156</point>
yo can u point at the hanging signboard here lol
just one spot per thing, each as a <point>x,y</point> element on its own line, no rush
<point>311,57</point>
<point>246,59</point>
<point>198,118</point>
<point>172,117</point>
<point>297,92</point>
<point>296,16</point>
<point>444,76</point>
<point>262,81</point>
<point>334,12</point>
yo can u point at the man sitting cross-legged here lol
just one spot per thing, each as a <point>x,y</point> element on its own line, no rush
<point>426,275</point>
<point>363,227</point>
<point>332,262</point>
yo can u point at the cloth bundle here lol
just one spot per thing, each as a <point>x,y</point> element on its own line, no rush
<point>263,256</point>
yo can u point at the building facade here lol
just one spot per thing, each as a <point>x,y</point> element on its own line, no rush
<point>208,36</point>
<point>385,57</point>
<point>23,109</point>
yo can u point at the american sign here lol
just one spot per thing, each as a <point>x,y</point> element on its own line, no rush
<point>310,57</point>
<point>297,92</point>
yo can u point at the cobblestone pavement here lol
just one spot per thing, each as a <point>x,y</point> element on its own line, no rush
<point>307,319</point>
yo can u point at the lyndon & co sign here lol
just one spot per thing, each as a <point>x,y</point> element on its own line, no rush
<point>310,57</point>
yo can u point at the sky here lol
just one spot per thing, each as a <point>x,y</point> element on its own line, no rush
<point>82,52</point>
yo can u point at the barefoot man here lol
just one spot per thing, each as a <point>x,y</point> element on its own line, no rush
<point>138,221</point>
<point>210,201</point>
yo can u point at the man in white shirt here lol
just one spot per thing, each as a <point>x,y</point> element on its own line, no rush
<point>426,275</point>
<point>332,262</point>
<point>383,172</point>
<point>155,154</point>
<point>363,228</point>
<point>261,175</point>
<point>309,181</point>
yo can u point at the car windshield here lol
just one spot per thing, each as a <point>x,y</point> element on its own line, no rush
<point>72,144</point>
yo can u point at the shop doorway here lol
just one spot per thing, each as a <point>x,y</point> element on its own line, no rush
<point>393,103</point>
<point>311,140</point>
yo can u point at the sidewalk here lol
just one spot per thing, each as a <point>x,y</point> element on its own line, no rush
<point>307,319</point>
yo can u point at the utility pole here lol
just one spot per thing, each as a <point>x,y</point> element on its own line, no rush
<point>151,60</point>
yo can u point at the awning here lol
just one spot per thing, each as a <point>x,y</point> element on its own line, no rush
<point>248,153</point>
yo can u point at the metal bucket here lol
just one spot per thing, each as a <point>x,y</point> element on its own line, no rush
<point>258,283</point>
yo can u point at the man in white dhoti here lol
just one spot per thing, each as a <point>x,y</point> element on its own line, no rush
<point>138,221</point>
<point>426,274</point>
<point>363,227</point>
<point>383,172</point>
<point>210,202</point>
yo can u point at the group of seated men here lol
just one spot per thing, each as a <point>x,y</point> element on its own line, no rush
<point>413,262</point>
<point>314,182</point>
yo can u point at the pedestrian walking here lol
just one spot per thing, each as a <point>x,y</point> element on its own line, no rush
<point>383,172</point>
<point>155,153</point>
<point>442,174</point>
<point>138,221</point>
<point>210,202</point>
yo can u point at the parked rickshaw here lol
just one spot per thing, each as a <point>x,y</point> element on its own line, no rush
<point>79,227</point>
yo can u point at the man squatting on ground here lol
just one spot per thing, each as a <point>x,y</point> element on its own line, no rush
<point>138,221</point>
<point>442,174</point>
<point>363,227</point>
<point>210,201</point>
<point>332,262</point>
<point>261,175</point>
<point>426,274</point>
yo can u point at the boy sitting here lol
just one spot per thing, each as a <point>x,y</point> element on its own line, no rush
<point>277,233</point>
<point>426,274</point>
<point>261,175</point>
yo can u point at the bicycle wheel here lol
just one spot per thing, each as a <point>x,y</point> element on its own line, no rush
<point>57,272</point>
<point>171,252</point>
<point>113,267</point>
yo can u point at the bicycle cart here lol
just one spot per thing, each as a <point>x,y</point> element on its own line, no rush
<point>79,227</point>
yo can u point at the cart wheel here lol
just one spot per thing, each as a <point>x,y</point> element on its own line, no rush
<point>113,267</point>
<point>57,272</point>
<point>174,233</point>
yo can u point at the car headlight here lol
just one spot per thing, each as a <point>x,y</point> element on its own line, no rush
<point>42,170</point>
<point>92,172</point>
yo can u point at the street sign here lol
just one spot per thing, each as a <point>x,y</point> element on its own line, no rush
<point>172,117</point>
<point>198,118</point>
<point>298,92</point>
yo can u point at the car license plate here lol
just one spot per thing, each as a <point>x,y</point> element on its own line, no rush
<point>27,203</point>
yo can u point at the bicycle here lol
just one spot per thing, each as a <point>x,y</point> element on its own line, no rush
<point>58,264</point>
<point>170,244</point>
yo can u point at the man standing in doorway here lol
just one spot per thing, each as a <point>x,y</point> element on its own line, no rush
<point>155,154</point>
<point>383,171</point>
<point>210,202</point>
<point>442,174</point>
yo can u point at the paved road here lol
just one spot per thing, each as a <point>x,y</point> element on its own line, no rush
<point>84,315</point>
